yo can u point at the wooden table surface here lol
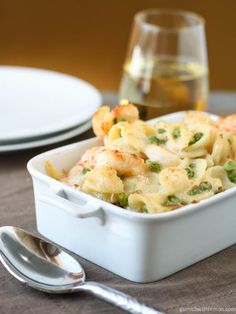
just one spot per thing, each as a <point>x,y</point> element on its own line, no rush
<point>210,283</point>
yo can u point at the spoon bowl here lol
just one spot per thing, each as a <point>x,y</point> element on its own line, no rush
<point>46,267</point>
<point>40,264</point>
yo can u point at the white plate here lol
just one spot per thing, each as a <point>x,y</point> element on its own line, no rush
<point>35,102</point>
<point>47,141</point>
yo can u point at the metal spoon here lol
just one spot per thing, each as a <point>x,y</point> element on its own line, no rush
<point>46,267</point>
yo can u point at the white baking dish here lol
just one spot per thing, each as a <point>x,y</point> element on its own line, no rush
<point>136,246</point>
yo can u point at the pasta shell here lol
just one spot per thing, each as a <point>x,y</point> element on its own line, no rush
<point>103,179</point>
<point>161,155</point>
<point>221,148</point>
<point>173,180</point>
<point>151,201</point>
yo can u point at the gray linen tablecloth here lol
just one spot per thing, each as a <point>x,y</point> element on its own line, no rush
<point>210,283</point>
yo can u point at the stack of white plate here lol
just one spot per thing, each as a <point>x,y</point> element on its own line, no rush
<point>41,107</point>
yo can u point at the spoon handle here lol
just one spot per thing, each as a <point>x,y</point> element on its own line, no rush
<point>119,299</point>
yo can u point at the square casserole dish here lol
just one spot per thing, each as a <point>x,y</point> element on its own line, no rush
<point>139,247</point>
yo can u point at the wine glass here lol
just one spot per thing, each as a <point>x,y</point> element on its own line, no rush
<point>166,67</point>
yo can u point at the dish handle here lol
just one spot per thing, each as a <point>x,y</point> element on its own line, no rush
<point>57,198</point>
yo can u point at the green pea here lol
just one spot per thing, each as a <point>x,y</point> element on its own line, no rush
<point>172,200</point>
<point>123,199</point>
<point>196,137</point>
<point>144,209</point>
<point>155,140</point>
<point>161,130</point>
<point>176,133</point>
<point>85,170</point>
<point>154,166</point>
<point>190,170</point>
<point>229,166</point>
<point>201,188</point>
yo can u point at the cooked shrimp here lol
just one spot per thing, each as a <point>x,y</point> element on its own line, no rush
<point>227,124</point>
<point>195,119</point>
<point>89,158</point>
<point>87,162</point>
<point>104,119</point>
<point>124,163</point>
<point>126,113</point>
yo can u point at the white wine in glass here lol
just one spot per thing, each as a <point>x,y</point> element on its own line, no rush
<point>166,68</point>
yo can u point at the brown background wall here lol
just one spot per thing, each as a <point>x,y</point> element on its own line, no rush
<point>88,38</point>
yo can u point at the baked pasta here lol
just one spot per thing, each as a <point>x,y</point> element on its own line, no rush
<point>155,168</point>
